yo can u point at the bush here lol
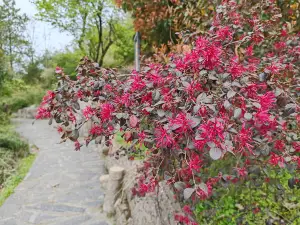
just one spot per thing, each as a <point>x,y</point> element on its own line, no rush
<point>233,99</point>
<point>12,149</point>
<point>11,141</point>
<point>243,203</point>
<point>4,118</point>
<point>23,97</point>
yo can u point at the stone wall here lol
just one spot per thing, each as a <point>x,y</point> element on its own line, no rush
<point>27,112</point>
<point>154,209</point>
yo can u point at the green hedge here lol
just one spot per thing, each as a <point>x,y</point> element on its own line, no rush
<point>247,204</point>
<point>12,149</point>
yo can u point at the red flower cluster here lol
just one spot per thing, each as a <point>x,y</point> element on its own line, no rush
<point>232,97</point>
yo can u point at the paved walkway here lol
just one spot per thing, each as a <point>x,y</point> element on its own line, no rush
<point>61,188</point>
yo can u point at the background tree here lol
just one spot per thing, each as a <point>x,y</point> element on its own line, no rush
<point>91,22</point>
<point>160,22</point>
<point>12,26</point>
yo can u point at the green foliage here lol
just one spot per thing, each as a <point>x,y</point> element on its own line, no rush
<point>11,86</point>
<point>3,69</point>
<point>12,149</point>
<point>91,22</point>
<point>248,204</point>
<point>138,153</point>
<point>4,118</point>
<point>12,26</point>
<point>16,95</point>
<point>33,73</point>
<point>13,181</point>
<point>122,51</point>
<point>67,60</point>
<point>10,140</point>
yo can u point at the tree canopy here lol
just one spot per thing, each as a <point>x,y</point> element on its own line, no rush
<point>91,22</point>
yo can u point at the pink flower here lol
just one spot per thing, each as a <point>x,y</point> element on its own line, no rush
<point>276,160</point>
<point>72,117</point>
<point>155,78</point>
<point>257,37</point>
<point>201,43</point>
<point>59,129</point>
<point>195,163</point>
<point>80,94</point>
<point>163,139</point>
<point>273,68</point>
<point>242,172</point>
<point>182,219</point>
<point>224,33</point>
<point>48,97</point>
<point>249,50</point>
<point>77,145</point>
<point>244,139</point>
<point>125,99</point>
<point>137,83</point>
<point>96,130</point>
<point>279,145</point>
<point>97,93</point>
<point>211,56</point>
<point>58,70</point>
<point>284,33</point>
<point>199,144</point>
<point>267,101</point>
<point>142,136</point>
<point>187,210</point>
<point>193,87</point>
<point>147,98</point>
<point>88,112</point>
<point>262,117</point>
<point>296,145</point>
<point>108,88</point>
<point>43,113</point>
<point>236,69</point>
<point>279,45</point>
<point>181,65</point>
<point>106,111</point>
<point>204,194</point>
<point>181,124</point>
<point>212,130</point>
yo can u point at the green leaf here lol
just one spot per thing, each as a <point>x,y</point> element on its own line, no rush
<point>187,193</point>
<point>237,113</point>
<point>248,116</point>
<point>215,153</point>
<point>231,94</point>
<point>161,113</point>
<point>179,185</point>
<point>203,187</point>
<point>227,105</point>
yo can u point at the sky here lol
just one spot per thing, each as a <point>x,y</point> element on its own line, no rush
<point>45,36</point>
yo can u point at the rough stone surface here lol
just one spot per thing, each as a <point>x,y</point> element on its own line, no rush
<point>153,209</point>
<point>61,188</point>
<point>116,174</point>
<point>27,112</point>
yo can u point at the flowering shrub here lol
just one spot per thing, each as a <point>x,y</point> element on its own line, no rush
<point>234,97</point>
<point>158,22</point>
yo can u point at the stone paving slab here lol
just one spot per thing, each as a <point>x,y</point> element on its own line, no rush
<point>61,188</point>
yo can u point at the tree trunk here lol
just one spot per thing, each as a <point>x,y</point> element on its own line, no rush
<point>10,51</point>
<point>83,30</point>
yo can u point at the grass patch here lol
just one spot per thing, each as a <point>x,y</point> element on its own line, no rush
<point>139,150</point>
<point>246,203</point>
<point>13,181</point>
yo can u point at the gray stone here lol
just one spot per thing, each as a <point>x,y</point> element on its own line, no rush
<point>98,223</point>
<point>63,186</point>
<point>76,220</point>
<point>58,208</point>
